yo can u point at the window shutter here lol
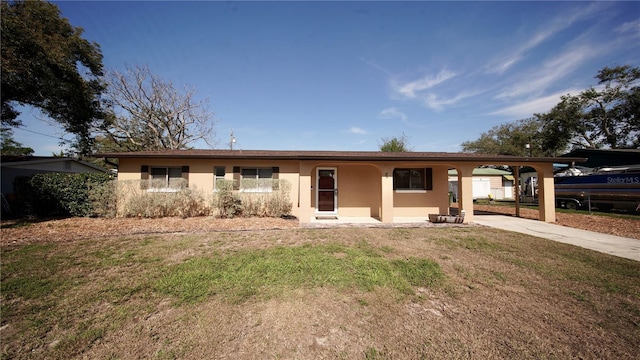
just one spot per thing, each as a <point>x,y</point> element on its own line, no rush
<point>275,175</point>
<point>394,180</point>
<point>144,177</point>
<point>428,173</point>
<point>185,174</point>
<point>236,178</point>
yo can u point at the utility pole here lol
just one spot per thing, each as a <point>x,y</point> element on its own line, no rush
<point>232,140</point>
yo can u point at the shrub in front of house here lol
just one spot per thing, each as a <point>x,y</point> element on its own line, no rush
<point>225,202</point>
<point>58,194</point>
<point>156,201</point>
<point>99,195</point>
<point>268,198</point>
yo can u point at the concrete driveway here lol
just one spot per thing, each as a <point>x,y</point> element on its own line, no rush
<point>608,244</point>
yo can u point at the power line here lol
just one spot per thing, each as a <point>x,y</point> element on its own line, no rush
<point>47,135</point>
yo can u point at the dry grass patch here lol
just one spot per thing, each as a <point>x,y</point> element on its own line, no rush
<point>319,294</point>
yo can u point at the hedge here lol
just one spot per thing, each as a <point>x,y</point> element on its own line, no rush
<point>58,194</point>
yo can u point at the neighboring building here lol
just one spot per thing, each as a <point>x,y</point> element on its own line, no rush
<point>337,183</point>
<point>14,166</point>
<point>486,182</point>
<point>17,166</point>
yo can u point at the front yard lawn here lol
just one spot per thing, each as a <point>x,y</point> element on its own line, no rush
<point>349,293</point>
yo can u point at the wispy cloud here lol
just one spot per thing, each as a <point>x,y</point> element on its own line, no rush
<point>548,30</point>
<point>432,90</point>
<point>632,28</point>
<point>356,130</point>
<point>393,113</point>
<point>552,71</point>
<point>437,103</point>
<point>375,66</point>
<point>539,105</point>
<point>411,89</point>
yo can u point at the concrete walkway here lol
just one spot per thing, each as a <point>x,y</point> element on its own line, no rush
<point>608,244</point>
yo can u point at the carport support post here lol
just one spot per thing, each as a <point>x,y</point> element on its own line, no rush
<point>516,182</point>
<point>465,191</point>
<point>387,194</point>
<point>546,193</point>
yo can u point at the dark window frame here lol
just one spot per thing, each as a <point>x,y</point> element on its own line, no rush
<point>413,179</point>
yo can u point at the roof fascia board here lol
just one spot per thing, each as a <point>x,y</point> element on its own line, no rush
<point>407,157</point>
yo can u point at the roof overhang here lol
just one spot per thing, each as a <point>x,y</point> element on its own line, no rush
<point>28,161</point>
<point>441,157</point>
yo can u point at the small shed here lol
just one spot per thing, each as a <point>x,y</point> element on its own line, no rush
<point>486,182</point>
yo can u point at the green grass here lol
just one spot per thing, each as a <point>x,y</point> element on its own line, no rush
<point>244,274</point>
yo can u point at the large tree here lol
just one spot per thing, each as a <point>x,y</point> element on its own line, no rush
<point>149,113</point>
<point>48,65</point>
<point>395,144</point>
<point>519,138</point>
<point>8,146</point>
<point>604,117</point>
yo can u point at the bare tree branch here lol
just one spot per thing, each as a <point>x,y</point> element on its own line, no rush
<point>149,113</point>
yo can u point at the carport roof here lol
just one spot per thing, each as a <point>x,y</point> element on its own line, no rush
<point>445,157</point>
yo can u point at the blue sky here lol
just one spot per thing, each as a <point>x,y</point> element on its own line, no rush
<point>343,75</point>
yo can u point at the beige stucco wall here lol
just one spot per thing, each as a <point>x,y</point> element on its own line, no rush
<point>422,203</point>
<point>360,185</point>
<point>364,188</point>
<point>359,191</point>
<point>201,172</point>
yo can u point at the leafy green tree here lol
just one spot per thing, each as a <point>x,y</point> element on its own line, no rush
<point>48,65</point>
<point>519,138</point>
<point>603,117</point>
<point>12,147</point>
<point>395,144</point>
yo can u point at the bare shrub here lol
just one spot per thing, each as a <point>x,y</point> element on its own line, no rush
<point>145,199</point>
<point>273,202</point>
<point>263,198</point>
<point>279,204</point>
<point>227,204</point>
<point>178,200</point>
<point>104,198</point>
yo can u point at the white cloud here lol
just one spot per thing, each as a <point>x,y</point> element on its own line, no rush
<point>552,71</point>
<point>438,103</point>
<point>392,113</point>
<point>555,25</point>
<point>375,66</point>
<point>423,91</point>
<point>539,105</point>
<point>631,26</point>
<point>409,90</point>
<point>357,130</point>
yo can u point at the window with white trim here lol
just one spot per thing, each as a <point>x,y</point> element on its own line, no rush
<point>218,177</point>
<point>256,179</point>
<point>413,179</point>
<point>166,178</point>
